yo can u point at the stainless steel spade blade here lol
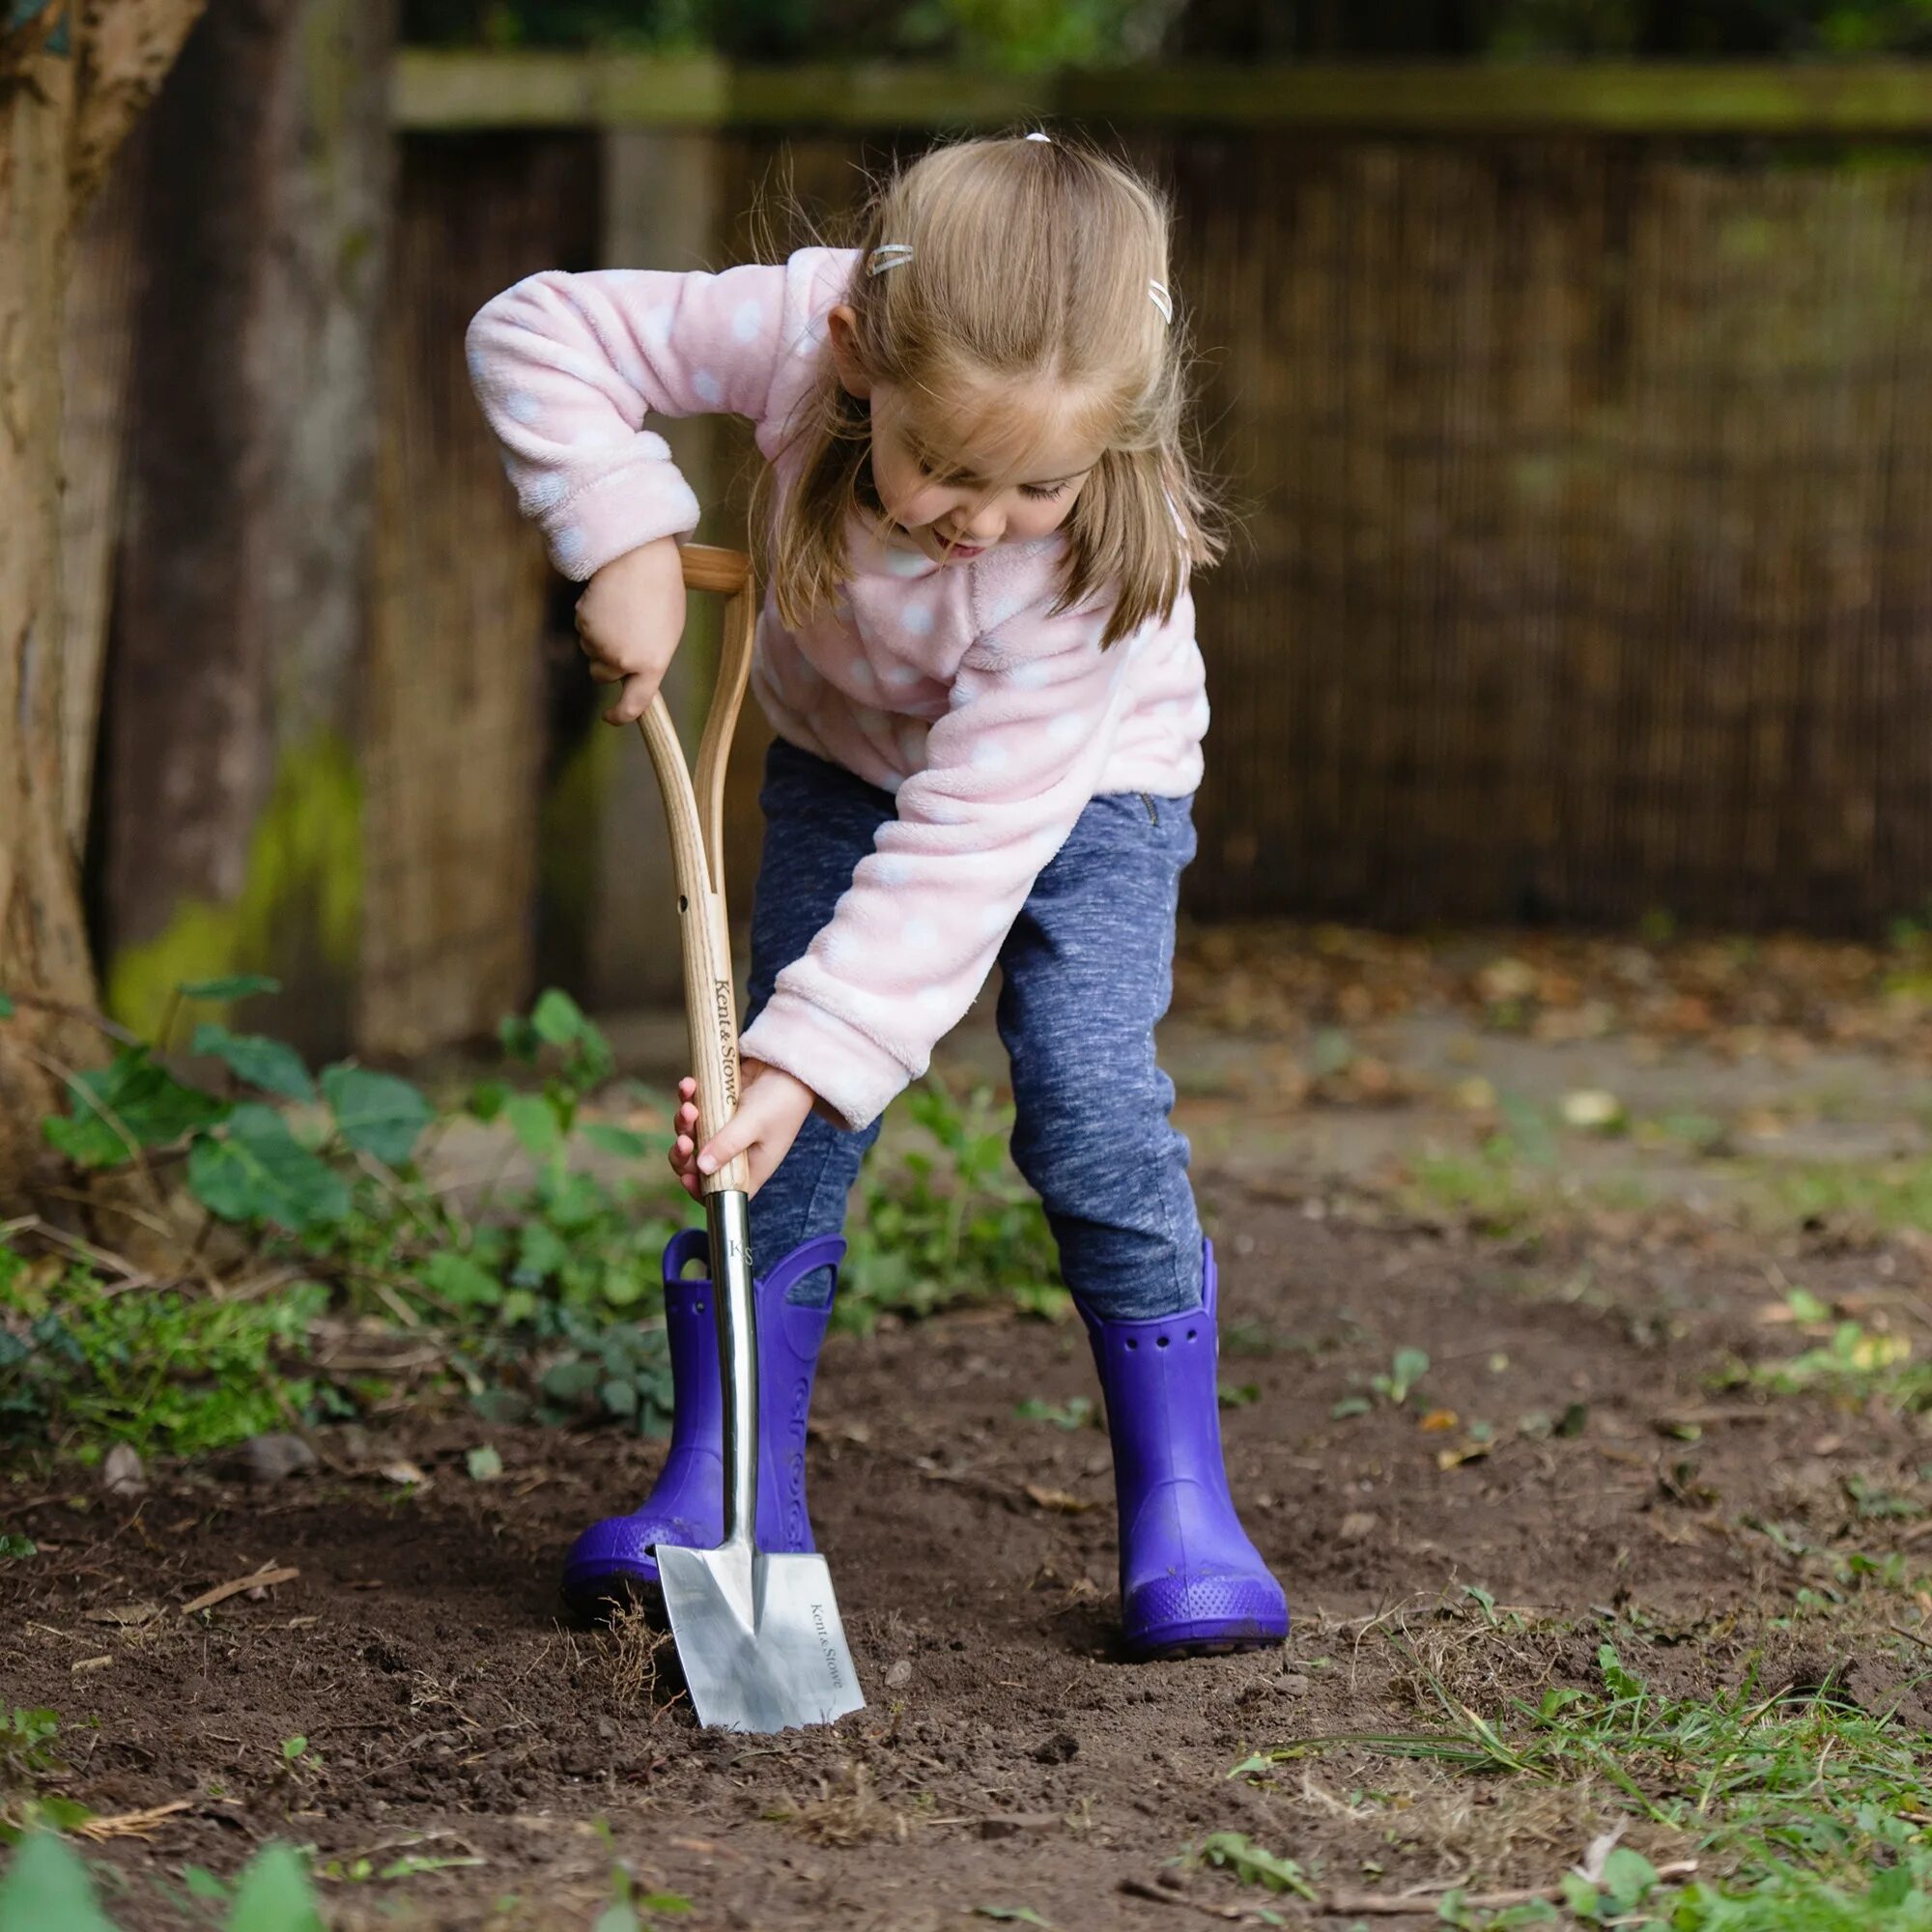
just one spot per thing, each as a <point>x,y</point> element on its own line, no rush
<point>758,1634</point>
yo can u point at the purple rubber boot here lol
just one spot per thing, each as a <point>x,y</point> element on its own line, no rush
<point>612,1560</point>
<point>1190,1579</point>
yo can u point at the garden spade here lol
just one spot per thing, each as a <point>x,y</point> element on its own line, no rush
<point>757,1633</point>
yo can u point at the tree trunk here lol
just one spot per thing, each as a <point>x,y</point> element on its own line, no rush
<point>233,838</point>
<point>97,348</point>
<point>69,88</point>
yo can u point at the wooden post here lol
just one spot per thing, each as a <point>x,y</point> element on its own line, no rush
<point>234,839</point>
<point>660,212</point>
<point>454,724</point>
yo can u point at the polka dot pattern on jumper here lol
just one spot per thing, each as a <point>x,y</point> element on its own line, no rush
<point>707,388</point>
<point>747,319</point>
<point>520,406</point>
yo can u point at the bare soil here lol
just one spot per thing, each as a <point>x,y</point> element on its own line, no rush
<point>1009,1758</point>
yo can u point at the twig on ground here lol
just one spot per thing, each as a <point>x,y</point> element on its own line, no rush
<point>131,1824</point>
<point>99,1022</point>
<point>106,1257</point>
<point>265,1579</point>
<point>1238,1915</point>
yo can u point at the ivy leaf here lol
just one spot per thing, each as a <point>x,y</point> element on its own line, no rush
<point>236,986</point>
<point>377,1113</point>
<point>143,1097</point>
<point>487,1097</point>
<point>6,1008</point>
<point>273,1895</point>
<point>272,1064</point>
<point>568,1379</point>
<point>519,1038</point>
<point>252,1167</point>
<point>48,1885</point>
<point>458,1279</point>
<point>622,1142</point>
<point>557,1018</point>
<point>535,1123</point>
<point>1629,1877</point>
<point>541,1252</point>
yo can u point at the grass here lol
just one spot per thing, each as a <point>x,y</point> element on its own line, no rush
<point>1799,1809</point>
<point>1883,1197</point>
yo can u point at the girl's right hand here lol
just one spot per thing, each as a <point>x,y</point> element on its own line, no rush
<point>629,621</point>
<point>772,1107</point>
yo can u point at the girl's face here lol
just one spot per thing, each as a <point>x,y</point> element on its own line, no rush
<point>957,482</point>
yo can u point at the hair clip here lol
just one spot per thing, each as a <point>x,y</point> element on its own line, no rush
<point>889,255</point>
<point>1158,294</point>
<point>1037,135</point>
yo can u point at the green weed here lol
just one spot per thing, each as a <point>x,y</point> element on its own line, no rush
<point>1853,1364</point>
<point>950,1222</point>
<point>542,1296</point>
<point>1795,1792</point>
<point>48,1887</point>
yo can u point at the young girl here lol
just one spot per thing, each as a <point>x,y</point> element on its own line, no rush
<point>978,653</point>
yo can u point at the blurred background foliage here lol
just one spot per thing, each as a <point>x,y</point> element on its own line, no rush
<point>1033,33</point>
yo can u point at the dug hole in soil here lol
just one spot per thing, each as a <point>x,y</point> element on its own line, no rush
<point>1009,1756</point>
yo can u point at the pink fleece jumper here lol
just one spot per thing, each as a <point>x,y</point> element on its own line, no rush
<point>992,720</point>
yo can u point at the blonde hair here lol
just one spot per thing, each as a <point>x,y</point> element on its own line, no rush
<point>1028,261</point>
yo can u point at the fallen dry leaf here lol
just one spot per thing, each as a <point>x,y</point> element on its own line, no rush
<point>1439,1420</point>
<point>1357,1524</point>
<point>1468,1452</point>
<point>124,1613</point>
<point>121,1472</point>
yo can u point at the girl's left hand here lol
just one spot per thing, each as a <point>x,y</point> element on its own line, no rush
<point>772,1107</point>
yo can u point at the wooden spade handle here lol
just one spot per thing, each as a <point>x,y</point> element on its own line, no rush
<point>696,822</point>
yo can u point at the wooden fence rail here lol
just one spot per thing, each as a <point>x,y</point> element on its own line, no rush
<point>439,91</point>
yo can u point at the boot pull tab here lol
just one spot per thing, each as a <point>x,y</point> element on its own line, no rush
<point>687,1245</point>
